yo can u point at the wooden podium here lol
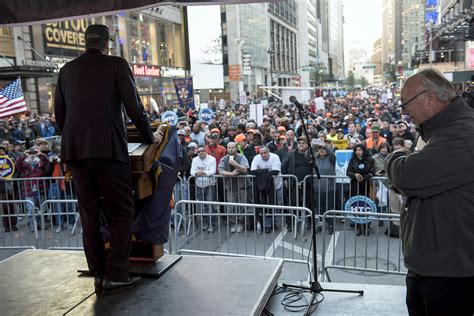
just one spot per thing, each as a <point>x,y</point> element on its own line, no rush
<point>141,162</point>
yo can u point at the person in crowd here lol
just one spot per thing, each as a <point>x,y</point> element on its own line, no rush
<point>360,169</point>
<point>231,166</point>
<point>385,131</point>
<point>373,142</point>
<point>203,167</point>
<point>266,166</point>
<point>197,135</point>
<point>213,147</point>
<point>244,148</point>
<point>94,146</point>
<point>437,183</point>
<point>9,219</point>
<point>33,164</point>
<point>325,188</point>
<point>289,146</point>
<point>403,131</point>
<point>296,163</point>
<point>398,143</point>
<point>276,143</point>
<point>182,138</point>
<point>231,133</point>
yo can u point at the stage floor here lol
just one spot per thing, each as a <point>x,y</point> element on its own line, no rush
<point>46,282</point>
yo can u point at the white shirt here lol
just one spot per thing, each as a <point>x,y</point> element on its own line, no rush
<point>273,163</point>
<point>208,165</point>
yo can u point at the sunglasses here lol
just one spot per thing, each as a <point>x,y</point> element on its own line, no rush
<point>405,104</point>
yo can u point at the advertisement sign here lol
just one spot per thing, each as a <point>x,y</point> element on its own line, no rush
<point>340,144</point>
<point>65,38</point>
<point>342,161</point>
<point>169,117</point>
<point>184,92</point>
<point>360,203</point>
<point>246,67</point>
<point>234,72</point>
<point>146,70</point>
<point>206,115</point>
<point>7,167</point>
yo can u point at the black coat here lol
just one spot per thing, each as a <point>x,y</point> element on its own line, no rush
<point>92,93</point>
<point>366,168</point>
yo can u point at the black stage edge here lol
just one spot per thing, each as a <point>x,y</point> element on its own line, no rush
<point>148,270</point>
<point>45,282</point>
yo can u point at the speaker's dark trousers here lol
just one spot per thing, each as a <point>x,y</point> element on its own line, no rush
<point>433,296</point>
<point>112,180</point>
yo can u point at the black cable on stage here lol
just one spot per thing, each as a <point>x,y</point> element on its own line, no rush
<point>295,301</point>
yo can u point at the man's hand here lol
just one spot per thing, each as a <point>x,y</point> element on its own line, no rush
<point>359,177</point>
<point>158,136</point>
<point>232,162</point>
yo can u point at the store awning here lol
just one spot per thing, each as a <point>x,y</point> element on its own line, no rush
<point>11,73</point>
<point>27,12</point>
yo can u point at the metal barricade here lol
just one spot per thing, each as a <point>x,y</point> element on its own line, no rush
<point>261,233</point>
<point>364,248</point>
<point>20,236</point>
<point>63,218</point>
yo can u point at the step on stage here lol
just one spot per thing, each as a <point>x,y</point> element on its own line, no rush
<point>46,282</point>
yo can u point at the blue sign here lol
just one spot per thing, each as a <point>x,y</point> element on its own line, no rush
<point>169,117</point>
<point>7,167</point>
<point>206,115</point>
<point>360,203</point>
<point>184,92</point>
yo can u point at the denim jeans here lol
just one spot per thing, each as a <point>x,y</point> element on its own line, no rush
<point>207,194</point>
<point>60,209</point>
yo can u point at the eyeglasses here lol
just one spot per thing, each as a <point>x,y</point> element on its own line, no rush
<point>405,104</point>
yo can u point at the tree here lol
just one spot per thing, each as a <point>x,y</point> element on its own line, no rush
<point>363,82</point>
<point>350,80</point>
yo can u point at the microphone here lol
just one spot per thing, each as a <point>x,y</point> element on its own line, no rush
<point>295,102</point>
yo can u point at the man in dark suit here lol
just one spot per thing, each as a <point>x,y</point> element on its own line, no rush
<point>91,95</point>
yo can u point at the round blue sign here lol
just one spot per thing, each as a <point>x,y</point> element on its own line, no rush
<point>7,167</point>
<point>206,115</point>
<point>169,117</point>
<point>360,203</point>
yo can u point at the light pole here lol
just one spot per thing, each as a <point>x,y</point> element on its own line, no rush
<point>271,53</point>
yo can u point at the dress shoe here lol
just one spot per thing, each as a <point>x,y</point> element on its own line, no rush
<point>14,228</point>
<point>112,287</point>
<point>98,282</point>
<point>7,229</point>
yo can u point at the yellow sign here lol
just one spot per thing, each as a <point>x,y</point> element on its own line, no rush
<point>340,144</point>
<point>67,34</point>
<point>7,167</point>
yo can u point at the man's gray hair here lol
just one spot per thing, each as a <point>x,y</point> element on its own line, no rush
<point>231,143</point>
<point>433,80</point>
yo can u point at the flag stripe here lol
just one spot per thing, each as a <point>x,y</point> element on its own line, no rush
<point>12,112</point>
<point>11,102</point>
<point>20,106</point>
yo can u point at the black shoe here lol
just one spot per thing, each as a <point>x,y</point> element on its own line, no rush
<point>14,228</point>
<point>98,282</point>
<point>112,287</point>
<point>380,223</point>
<point>351,226</point>
<point>319,229</point>
<point>7,229</point>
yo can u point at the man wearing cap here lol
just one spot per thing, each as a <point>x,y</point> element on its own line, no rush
<point>92,93</point>
<point>373,142</point>
<point>244,148</point>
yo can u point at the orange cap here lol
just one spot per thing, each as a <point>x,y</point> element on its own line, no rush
<point>239,138</point>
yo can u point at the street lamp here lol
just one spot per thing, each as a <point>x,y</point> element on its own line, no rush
<point>271,53</point>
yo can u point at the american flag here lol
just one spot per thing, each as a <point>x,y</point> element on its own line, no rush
<point>11,99</point>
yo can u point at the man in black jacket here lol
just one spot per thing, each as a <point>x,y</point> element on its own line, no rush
<point>92,94</point>
<point>437,183</point>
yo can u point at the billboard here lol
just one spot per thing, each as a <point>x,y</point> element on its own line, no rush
<point>205,46</point>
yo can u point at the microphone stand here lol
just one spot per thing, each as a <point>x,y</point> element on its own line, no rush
<point>314,286</point>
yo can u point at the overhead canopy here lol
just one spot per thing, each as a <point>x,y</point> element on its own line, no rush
<point>25,12</point>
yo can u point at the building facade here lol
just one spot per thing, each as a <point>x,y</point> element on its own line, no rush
<point>152,41</point>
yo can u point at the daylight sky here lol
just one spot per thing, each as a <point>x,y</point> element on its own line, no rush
<point>363,23</point>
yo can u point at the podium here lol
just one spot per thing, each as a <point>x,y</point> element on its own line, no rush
<point>142,156</point>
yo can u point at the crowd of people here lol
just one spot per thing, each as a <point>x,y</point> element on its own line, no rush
<point>233,145</point>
